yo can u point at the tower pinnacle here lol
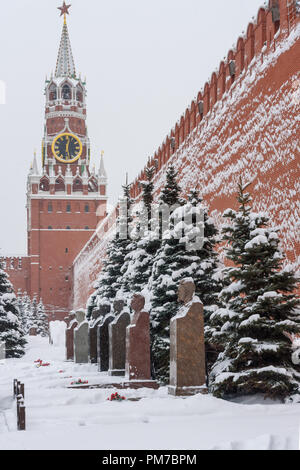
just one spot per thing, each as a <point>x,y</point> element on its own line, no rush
<point>102,172</point>
<point>34,165</point>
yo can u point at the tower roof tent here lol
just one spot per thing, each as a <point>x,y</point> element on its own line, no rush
<point>65,66</point>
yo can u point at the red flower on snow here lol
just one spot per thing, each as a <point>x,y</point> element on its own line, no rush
<point>116,397</point>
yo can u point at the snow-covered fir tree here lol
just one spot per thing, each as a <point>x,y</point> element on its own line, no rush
<point>177,259</point>
<point>208,283</point>
<point>147,193</point>
<point>260,310</point>
<point>26,312</point>
<point>110,279</point>
<point>138,263</point>
<point>33,321</point>
<point>208,280</point>
<point>42,320</point>
<point>11,332</point>
<point>171,191</point>
<point>21,309</point>
<point>161,285</point>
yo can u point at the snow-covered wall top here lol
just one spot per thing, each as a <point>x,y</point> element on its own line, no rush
<point>272,25</point>
<point>245,123</point>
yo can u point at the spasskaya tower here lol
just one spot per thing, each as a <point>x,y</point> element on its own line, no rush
<point>66,200</point>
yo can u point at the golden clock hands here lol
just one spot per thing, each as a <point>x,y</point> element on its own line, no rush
<point>67,147</point>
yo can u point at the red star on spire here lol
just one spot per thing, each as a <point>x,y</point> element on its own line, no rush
<point>64,9</point>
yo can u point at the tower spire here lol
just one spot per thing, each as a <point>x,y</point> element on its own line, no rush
<point>65,66</point>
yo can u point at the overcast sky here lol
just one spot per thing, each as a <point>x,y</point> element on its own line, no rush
<point>144,61</point>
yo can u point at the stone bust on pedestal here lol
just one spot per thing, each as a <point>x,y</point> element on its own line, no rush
<point>138,344</point>
<point>187,347</point>
<point>186,291</point>
<point>117,339</point>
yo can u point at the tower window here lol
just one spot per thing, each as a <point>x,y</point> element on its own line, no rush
<point>66,92</point>
<point>87,208</point>
<point>67,250</point>
<point>52,92</point>
<point>87,228</point>
<point>44,184</point>
<point>79,94</point>
<point>59,184</point>
<point>77,185</point>
<point>68,228</point>
<point>50,208</point>
<point>50,228</point>
<point>68,208</point>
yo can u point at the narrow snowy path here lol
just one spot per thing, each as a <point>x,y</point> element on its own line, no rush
<point>62,418</point>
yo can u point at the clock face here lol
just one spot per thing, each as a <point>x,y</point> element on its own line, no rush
<point>67,148</point>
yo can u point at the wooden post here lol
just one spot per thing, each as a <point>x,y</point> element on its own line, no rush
<point>21,422</point>
<point>19,394</point>
<point>18,411</point>
<point>15,387</point>
<point>22,390</point>
<point>22,416</point>
<point>18,388</point>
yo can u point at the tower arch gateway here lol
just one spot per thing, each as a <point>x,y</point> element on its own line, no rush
<point>59,223</point>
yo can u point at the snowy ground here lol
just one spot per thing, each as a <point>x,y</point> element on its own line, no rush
<point>61,418</point>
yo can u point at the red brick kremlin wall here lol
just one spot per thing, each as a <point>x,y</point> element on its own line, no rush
<point>89,262</point>
<point>245,122</point>
<point>18,269</point>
